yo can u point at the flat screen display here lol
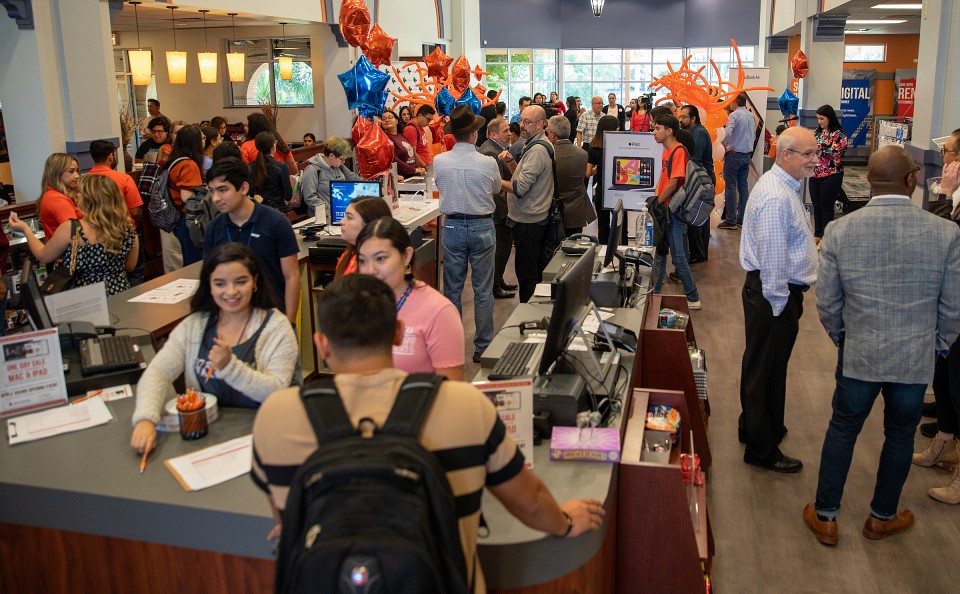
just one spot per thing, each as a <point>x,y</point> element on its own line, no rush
<point>342,192</point>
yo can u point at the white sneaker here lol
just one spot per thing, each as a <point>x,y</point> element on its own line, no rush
<point>694,305</point>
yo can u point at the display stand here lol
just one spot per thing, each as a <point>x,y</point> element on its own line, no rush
<point>663,363</point>
<point>664,539</point>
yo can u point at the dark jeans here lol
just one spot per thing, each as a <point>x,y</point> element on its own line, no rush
<point>763,374</point>
<point>852,402</point>
<point>530,258</point>
<point>824,193</point>
<point>191,254</point>
<point>504,243</point>
<point>736,168</point>
<point>946,390</point>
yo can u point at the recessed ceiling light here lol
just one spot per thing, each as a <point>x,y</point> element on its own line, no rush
<point>898,6</point>
<point>875,21</point>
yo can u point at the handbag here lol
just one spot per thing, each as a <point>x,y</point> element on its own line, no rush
<point>60,279</point>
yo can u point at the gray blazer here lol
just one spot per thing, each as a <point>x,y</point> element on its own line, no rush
<point>578,209</point>
<point>889,288</point>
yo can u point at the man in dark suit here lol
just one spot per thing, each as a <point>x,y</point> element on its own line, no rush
<point>571,160</point>
<point>488,113</point>
<point>888,295</point>
<point>497,132</point>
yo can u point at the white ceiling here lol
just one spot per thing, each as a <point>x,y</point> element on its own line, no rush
<point>154,17</point>
<point>863,9</point>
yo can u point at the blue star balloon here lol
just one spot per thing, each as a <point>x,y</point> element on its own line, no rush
<point>470,99</point>
<point>444,102</point>
<point>789,103</point>
<point>365,87</point>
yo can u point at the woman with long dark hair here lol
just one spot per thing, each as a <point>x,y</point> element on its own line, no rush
<point>405,114</point>
<point>404,153</point>
<point>607,123</point>
<point>573,116</point>
<point>827,180</point>
<point>211,140</point>
<point>257,123</point>
<point>268,178</point>
<point>360,211</point>
<point>235,344</point>
<point>432,330</point>
<point>186,173</point>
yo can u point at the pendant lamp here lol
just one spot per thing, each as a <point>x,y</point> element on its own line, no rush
<point>235,59</point>
<point>207,60</point>
<point>176,61</point>
<point>285,62</point>
<point>597,6</point>
<point>141,60</point>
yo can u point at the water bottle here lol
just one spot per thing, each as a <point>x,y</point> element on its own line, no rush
<point>643,231</point>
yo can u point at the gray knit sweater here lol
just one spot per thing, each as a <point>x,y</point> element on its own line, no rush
<point>276,355</point>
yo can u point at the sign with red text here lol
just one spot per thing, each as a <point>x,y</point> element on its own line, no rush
<point>32,372</point>
<point>905,94</point>
<point>514,401</point>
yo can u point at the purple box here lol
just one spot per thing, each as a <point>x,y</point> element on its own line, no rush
<point>602,446</point>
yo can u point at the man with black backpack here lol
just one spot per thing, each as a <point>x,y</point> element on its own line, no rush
<point>368,505</point>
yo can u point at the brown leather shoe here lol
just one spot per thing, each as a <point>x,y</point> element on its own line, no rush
<point>875,529</point>
<point>824,531</point>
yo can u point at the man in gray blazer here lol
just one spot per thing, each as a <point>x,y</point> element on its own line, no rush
<point>888,295</point>
<point>497,132</point>
<point>578,211</point>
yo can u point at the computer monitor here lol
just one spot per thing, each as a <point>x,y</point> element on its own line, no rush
<point>571,303</point>
<point>32,298</point>
<point>342,192</point>
<point>617,220</point>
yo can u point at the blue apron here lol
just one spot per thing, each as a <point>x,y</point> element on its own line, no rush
<point>226,394</point>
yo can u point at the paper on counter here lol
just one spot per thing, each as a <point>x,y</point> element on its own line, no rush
<point>172,292</point>
<point>591,324</point>
<point>114,393</point>
<point>83,304</point>
<point>542,290</point>
<point>214,465</point>
<point>57,421</point>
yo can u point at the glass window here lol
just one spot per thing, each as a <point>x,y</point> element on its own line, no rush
<point>673,55</point>
<point>577,56</point>
<point>545,72</point>
<point>865,53</point>
<point>578,89</point>
<point>639,55</point>
<point>608,56</point>
<point>262,82</point>
<point>496,56</point>
<point>577,72</point>
<point>608,72</point>
<point>545,56</point>
<point>520,72</point>
<point>521,56</point>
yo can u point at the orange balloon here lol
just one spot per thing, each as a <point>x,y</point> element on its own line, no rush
<point>720,184</point>
<point>354,22</point>
<point>379,47</point>
<point>374,152</point>
<point>478,72</point>
<point>713,134</point>
<point>799,64</point>
<point>716,119</point>
<point>360,128</point>
<point>438,64</point>
<point>461,74</point>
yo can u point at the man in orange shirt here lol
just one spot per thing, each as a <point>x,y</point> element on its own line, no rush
<point>104,155</point>
<point>672,177</point>
<point>419,135</point>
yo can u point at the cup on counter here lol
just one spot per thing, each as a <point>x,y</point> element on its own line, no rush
<point>193,423</point>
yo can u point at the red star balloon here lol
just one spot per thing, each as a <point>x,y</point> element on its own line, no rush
<point>478,73</point>
<point>437,64</point>
<point>799,65</point>
<point>379,47</point>
<point>354,21</point>
<point>374,152</point>
<point>360,128</point>
<point>461,74</point>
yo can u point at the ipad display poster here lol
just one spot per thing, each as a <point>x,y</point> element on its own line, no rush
<point>631,168</point>
<point>32,372</point>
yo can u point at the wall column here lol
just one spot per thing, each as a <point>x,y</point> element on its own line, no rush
<point>822,84</point>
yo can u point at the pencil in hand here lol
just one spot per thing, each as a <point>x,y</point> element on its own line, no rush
<point>143,460</point>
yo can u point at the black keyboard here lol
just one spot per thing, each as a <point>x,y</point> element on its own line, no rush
<point>513,361</point>
<point>108,353</point>
<point>331,240</point>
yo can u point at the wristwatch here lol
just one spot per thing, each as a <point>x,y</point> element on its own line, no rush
<point>569,524</point>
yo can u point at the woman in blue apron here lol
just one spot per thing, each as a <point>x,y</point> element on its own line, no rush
<point>235,345</point>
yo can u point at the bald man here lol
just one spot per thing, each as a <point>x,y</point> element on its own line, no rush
<point>780,257</point>
<point>888,295</point>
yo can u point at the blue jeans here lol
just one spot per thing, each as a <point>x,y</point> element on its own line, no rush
<point>677,238</point>
<point>736,166</point>
<point>852,402</point>
<point>472,241</point>
<point>191,254</point>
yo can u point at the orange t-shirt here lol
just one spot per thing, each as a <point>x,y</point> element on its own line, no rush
<point>185,175</point>
<point>248,150</point>
<point>56,208</point>
<point>678,167</point>
<point>128,187</point>
<point>351,264</point>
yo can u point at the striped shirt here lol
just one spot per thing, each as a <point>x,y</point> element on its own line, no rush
<point>462,430</point>
<point>466,180</point>
<point>588,125</point>
<point>776,238</point>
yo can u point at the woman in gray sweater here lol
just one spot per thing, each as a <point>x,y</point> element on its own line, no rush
<point>235,345</point>
<point>321,168</point>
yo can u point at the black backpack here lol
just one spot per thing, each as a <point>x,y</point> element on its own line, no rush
<point>199,211</point>
<point>371,510</point>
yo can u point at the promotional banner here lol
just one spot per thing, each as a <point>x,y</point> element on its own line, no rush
<point>905,93</point>
<point>631,168</point>
<point>757,104</point>
<point>855,101</point>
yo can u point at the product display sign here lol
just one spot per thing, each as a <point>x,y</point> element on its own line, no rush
<point>514,401</point>
<point>631,168</point>
<point>757,105</point>
<point>32,372</point>
<point>855,101</point>
<point>905,94</point>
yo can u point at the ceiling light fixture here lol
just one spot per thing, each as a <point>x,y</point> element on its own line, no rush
<point>285,62</point>
<point>898,7</point>
<point>141,60</point>
<point>176,60</point>
<point>235,59</point>
<point>875,21</point>
<point>207,60</point>
<point>597,6</point>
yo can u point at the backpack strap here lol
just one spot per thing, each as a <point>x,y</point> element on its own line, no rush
<point>325,410</point>
<point>413,403</point>
<point>553,161</point>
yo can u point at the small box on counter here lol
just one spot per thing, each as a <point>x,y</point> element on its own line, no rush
<point>585,445</point>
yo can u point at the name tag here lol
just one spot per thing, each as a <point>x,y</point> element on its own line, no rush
<point>257,235</point>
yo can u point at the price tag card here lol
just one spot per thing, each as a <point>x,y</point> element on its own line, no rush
<point>32,372</point>
<point>514,401</point>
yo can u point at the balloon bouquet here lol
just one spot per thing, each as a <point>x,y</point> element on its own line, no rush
<point>686,86</point>
<point>789,102</point>
<point>366,87</point>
